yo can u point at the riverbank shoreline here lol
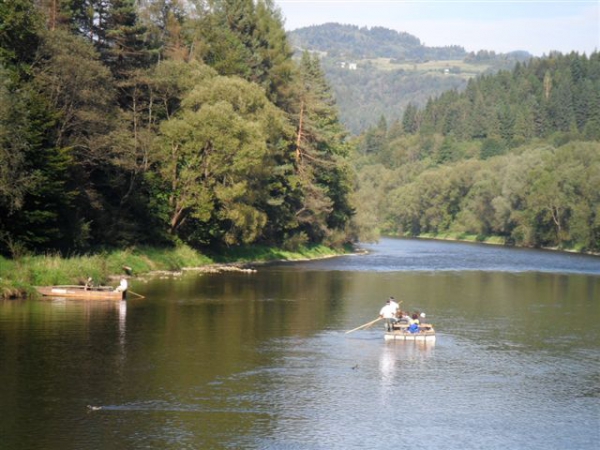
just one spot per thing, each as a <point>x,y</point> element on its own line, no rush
<point>491,240</point>
<point>19,277</point>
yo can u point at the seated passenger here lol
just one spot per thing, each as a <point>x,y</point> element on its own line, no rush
<point>404,318</point>
<point>414,324</point>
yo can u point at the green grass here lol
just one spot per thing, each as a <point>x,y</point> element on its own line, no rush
<point>18,277</point>
<point>261,253</point>
<point>435,67</point>
<point>467,237</point>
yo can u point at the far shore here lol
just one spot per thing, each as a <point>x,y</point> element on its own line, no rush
<point>492,240</point>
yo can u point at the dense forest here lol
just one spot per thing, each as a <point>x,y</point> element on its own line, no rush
<point>390,69</point>
<point>127,122</point>
<point>515,155</point>
<point>366,94</point>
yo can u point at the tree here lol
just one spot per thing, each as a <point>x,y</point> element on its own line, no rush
<point>491,147</point>
<point>324,178</point>
<point>214,154</point>
<point>20,24</point>
<point>15,180</point>
<point>247,39</point>
<point>124,46</point>
<point>410,119</point>
<point>375,139</point>
<point>591,129</point>
<point>560,107</point>
<point>477,212</point>
<point>39,212</point>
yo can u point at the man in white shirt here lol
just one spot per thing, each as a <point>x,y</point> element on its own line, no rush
<point>388,312</point>
<point>122,287</point>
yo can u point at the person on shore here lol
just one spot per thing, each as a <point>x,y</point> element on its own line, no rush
<point>122,287</point>
<point>388,312</point>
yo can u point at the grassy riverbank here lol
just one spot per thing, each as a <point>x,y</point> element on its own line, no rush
<point>18,277</point>
<point>464,237</point>
<point>493,240</point>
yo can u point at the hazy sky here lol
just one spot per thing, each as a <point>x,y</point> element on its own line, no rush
<point>538,26</point>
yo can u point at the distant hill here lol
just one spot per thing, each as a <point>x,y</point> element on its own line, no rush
<point>377,71</point>
<point>366,43</point>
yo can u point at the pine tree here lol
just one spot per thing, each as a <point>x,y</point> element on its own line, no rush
<point>38,213</point>
<point>410,119</point>
<point>319,156</point>
<point>124,47</point>
<point>247,38</point>
<point>20,25</point>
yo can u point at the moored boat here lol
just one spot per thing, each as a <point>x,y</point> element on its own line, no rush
<point>81,292</point>
<point>400,332</point>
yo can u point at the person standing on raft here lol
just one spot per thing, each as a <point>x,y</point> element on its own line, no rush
<point>388,312</point>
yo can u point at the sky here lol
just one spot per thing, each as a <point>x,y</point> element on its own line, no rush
<point>537,26</point>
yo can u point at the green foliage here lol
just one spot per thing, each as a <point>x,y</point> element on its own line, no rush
<point>15,180</point>
<point>537,195</point>
<point>393,70</point>
<point>115,130</point>
<point>323,175</point>
<point>20,275</point>
<point>213,155</point>
<point>355,42</point>
<point>536,99</point>
<point>367,93</point>
<point>20,24</point>
<point>247,39</point>
<point>514,156</point>
<point>268,253</point>
<point>491,147</point>
<point>53,269</point>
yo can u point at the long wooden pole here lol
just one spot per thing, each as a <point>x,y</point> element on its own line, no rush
<point>365,325</point>
<point>129,291</point>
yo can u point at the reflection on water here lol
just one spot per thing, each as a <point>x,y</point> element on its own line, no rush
<point>387,365</point>
<point>122,321</point>
<point>398,355</point>
<point>263,361</point>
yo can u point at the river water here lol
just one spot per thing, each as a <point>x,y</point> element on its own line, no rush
<point>263,361</point>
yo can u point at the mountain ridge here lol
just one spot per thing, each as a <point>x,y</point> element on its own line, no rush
<point>390,69</point>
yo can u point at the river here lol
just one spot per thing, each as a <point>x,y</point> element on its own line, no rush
<point>263,361</point>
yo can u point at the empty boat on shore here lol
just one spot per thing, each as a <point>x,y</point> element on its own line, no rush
<point>82,292</point>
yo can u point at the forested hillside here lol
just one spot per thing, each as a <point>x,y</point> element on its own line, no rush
<point>377,72</point>
<point>516,156</point>
<point>125,122</point>
<point>351,41</point>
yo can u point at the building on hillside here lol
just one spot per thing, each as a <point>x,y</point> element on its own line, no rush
<point>349,66</point>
